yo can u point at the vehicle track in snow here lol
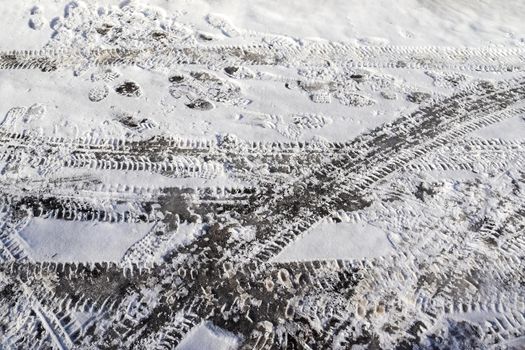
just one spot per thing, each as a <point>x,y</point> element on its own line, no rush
<point>279,214</point>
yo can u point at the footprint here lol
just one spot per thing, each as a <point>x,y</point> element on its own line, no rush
<point>239,72</point>
<point>310,121</point>
<point>448,80</point>
<point>36,19</point>
<point>223,24</point>
<point>353,99</point>
<point>129,89</point>
<point>98,93</point>
<point>35,111</point>
<point>107,75</point>
<point>200,104</point>
<point>25,115</point>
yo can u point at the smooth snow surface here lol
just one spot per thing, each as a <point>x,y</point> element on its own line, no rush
<point>61,240</point>
<point>408,22</point>
<point>331,241</point>
<point>510,129</point>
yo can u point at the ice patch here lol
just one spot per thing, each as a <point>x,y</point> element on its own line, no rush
<point>338,241</point>
<point>80,241</point>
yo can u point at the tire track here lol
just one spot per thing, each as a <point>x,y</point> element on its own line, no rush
<point>282,54</point>
<point>325,190</point>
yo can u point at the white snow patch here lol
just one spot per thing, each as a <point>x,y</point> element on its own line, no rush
<point>208,336</point>
<point>416,22</point>
<point>457,175</point>
<point>338,241</point>
<point>509,129</point>
<point>80,241</point>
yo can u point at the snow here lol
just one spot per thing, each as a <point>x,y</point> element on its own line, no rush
<point>438,227</point>
<point>207,336</point>
<point>146,178</point>
<point>64,241</point>
<point>510,129</point>
<point>410,22</point>
<point>70,113</point>
<point>343,240</point>
<point>415,22</point>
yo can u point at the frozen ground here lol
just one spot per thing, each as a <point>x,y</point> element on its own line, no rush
<point>262,175</point>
